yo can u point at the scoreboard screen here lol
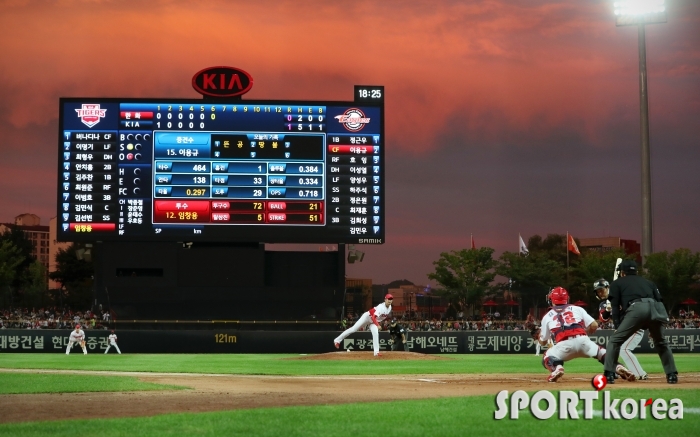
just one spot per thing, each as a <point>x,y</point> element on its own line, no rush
<point>229,171</point>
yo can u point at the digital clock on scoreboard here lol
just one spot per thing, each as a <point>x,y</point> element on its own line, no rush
<point>370,93</point>
<point>229,171</point>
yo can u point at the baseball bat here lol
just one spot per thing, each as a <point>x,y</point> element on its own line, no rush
<point>617,265</point>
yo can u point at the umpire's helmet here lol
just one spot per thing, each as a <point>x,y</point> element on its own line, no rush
<point>393,321</point>
<point>629,266</point>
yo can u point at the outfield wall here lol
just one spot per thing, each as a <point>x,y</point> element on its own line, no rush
<point>228,341</point>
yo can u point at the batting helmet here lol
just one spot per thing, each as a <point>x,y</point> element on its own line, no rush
<point>601,284</point>
<point>559,296</point>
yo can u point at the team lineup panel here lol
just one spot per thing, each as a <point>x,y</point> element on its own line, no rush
<point>194,169</point>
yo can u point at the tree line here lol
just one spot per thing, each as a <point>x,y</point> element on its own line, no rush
<point>466,277</point>
<point>23,279</point>
<point>469,276</point>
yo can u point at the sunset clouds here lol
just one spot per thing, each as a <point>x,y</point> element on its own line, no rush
<point>553,83</point>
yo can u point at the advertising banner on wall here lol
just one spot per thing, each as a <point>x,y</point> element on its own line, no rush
<point>301,342</point>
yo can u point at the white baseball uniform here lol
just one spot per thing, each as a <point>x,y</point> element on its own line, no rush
<point>567,324</point>
<point>372,318</point>
<point>113,342</point>
<point>76,337</point>
<point>628,357</point>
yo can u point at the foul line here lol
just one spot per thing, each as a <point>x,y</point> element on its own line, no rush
<point>219,375</point>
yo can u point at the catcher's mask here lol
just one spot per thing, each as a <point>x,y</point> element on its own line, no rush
<point>558,296</point>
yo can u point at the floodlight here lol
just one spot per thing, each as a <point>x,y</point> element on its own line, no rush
<point>640,13</point>
<point>633,12</point>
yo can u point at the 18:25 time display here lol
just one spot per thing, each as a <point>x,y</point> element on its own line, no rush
<point>371,94</point>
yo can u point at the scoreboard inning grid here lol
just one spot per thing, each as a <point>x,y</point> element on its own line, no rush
<point>236,171</point>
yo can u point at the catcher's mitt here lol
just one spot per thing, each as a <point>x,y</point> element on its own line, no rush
<point>535,332</point>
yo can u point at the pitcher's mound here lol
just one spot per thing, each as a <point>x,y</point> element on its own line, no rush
<point>368,355</point>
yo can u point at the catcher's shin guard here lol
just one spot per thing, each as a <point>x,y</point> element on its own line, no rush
<point>601,355</point>
<point>551,363</point>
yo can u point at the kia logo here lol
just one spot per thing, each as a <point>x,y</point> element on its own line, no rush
<point>222,82</point>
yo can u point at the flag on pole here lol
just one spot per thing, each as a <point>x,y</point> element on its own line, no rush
<point>523,247</point>
<point>571,244</point>
<point>473,245</point>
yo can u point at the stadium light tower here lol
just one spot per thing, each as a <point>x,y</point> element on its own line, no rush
<point>640,13</point>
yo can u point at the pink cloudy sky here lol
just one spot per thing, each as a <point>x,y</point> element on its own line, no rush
<point>503,117</point>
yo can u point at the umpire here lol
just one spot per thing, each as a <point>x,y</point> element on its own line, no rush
<point>633,301</point>
<point>397,332</point>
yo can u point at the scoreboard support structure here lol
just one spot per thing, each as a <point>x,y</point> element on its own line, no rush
<point>217,281</point>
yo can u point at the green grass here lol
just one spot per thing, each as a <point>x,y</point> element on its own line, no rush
<point>19,383</point>
<point>435,417</point>
<point>419,418</point>
<point>274,364</point>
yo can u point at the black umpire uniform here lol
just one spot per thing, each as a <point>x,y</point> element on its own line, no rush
<point>632,298</point>
<point>398,336</point>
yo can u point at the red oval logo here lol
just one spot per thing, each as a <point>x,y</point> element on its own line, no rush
<point>222,82</point>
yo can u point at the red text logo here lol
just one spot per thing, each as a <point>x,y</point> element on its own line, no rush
<point>222,82</point>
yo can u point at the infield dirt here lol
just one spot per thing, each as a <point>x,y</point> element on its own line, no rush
<point>209,392</point>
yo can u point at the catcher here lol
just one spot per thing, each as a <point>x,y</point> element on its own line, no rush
<point>570,325</point>
<point>397,332</point>
<point>77,336</point>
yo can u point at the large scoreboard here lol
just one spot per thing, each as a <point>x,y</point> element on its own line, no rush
<point>222,170</point>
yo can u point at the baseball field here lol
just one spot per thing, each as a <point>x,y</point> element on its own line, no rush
<point>333,394</point>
